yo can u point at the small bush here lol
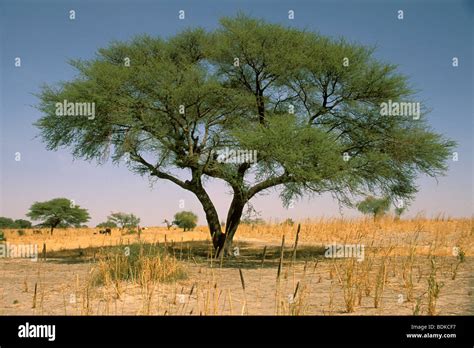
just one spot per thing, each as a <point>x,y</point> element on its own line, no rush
<point>21,232</point>
<point>2,236</point>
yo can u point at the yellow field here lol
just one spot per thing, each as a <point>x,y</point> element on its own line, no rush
<point>409,267</point>
<point>437,237</point>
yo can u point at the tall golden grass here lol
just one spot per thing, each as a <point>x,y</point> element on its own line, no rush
<point>409,258</point>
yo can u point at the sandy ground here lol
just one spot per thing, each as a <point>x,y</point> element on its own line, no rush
<point>61,288</point>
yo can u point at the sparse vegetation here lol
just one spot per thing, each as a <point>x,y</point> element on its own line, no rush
<point>174,273</point>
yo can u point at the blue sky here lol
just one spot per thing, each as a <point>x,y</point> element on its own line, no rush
<point>41,34</point>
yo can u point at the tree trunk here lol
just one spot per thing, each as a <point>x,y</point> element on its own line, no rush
<point>233,221</point>
<point>54,225</point>
<point>212,218</point>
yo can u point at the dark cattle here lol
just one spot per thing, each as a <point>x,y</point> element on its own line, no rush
<point>106,231</point>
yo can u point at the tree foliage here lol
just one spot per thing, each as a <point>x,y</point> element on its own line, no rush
<point>254,85</point>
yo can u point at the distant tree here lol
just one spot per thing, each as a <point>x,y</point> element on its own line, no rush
<point>107,224</point>
<point>20,223</point>
<point>6,222</point>
<point>186,220</point>
<point>288,222</point>
<point>375,206</point>
<point>124,220</point>
<point>58,212</point>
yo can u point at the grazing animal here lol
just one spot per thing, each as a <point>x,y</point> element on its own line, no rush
<point>106,231</point>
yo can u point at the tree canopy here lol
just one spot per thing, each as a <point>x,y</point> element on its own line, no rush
<point>309,105</point>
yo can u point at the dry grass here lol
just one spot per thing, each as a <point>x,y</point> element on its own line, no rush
<point>410,267</point>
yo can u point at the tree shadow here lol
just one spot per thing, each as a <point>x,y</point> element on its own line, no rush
<point>249,255</point>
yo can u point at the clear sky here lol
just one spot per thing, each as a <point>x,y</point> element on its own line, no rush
<point>42,35</point>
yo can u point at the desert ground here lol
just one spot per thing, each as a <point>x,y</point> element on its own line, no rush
<point>408,267</point>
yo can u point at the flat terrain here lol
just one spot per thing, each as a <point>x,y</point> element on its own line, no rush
<point>407,268</point>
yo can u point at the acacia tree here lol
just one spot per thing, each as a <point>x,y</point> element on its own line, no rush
<point>309,105</point>
<point>58,212</point>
